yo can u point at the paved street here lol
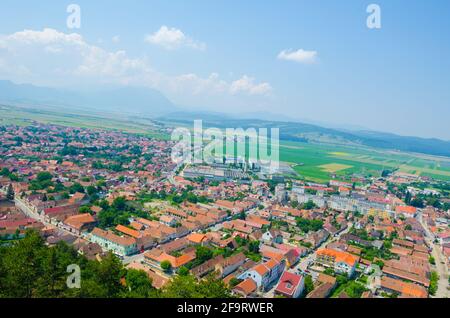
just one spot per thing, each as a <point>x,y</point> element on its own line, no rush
<point>441,264</point>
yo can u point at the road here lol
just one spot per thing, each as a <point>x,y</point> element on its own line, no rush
<point>441,264</point>
<point>28,212</point>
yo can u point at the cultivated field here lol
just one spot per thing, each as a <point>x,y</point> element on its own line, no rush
<point>318,162</point>
<point>314,162</point>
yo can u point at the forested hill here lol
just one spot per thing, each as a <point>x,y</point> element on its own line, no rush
<point>296,131</point>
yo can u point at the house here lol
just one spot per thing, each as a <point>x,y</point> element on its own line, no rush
<point>144,239</point>
<point>206,267</point>
<point>317,238</point>
<point>272,237</point>
<point>321,291</point>
<point>91,251</point>
<point>245,288</point>
<point>406,211</point>
<point>119,245</point>
<point>197,238</point>
<point>77,198</point>
<point>168,220</point>
<point>292,257</point>
<point>341,262</point>
<point>290,285</point>
<point>264,274</point>
<point>415,277</point>
<point>155,257</point>
<point>230,264</point>
<point>79,223</point>
<point>402,288</point>
<point>60,213</point>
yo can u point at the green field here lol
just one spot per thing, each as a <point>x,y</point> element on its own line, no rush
<point>314,162</point>
<point>25,116</point>
<point>317,162</point>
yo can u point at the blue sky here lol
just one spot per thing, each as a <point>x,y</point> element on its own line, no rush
<point>223,56</point>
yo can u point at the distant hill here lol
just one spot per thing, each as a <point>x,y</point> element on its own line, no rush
<point>138,101</point>
<point>129,100</point>
<point>295,131</point>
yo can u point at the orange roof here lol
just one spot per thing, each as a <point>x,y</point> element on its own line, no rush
<point>77,221</point>
<point>177,261</point>
<point>196,238</point>
<point>261,269</point>
<point>406,209</point>
<point>273,255</point>
<point>247,286</point>
<point>408,290</point>
<point>339,256</point>
<point>128,231</point>
<point>110,236</point>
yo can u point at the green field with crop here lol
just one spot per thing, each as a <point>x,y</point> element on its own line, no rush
<point>314,162</point>
<point>318,162</point>
<point>25,116</point>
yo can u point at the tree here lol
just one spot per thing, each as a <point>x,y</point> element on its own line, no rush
<point>10,193</point>
<point>309,284</point>
<point>91,190</point>
<point>119,203</point>
<point>183,271</point>
<point>432,260</point>
<point>408,197</point>
<point>203,254</point>
<point>85,209</point>
<point>234,282</point>
<point>189,287</point>
<point>308,205</point>
<point>166,266</point>
<point>212,287</point>
<point>4,172</point>
<point>417,203</point>
<point>253,246</point>
<point>139,285</point>
<point>181,287</point>
<point>433,283</point>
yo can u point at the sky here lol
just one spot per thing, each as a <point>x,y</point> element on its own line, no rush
<point>314,60</point>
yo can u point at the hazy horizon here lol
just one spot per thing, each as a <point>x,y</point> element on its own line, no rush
<point>312,61</point>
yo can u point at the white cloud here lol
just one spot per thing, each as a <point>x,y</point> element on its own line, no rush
<point>172,39</point>
<point>299,56</point>
<point>47,36</point>
<point>116,39</point>
<point>53,58</point>
<point>247,84</point>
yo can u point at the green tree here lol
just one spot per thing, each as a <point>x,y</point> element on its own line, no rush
<point>309,284</point>
<point>183,271</point>
<point>10,193</point>
<point>203,254</point>
<point>166,266</point>
<point>139,285</point>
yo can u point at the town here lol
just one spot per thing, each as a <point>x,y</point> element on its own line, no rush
<point>263,235</point>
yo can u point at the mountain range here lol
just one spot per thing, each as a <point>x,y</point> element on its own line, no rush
<point>139,101</point>
<point>128,100</point>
